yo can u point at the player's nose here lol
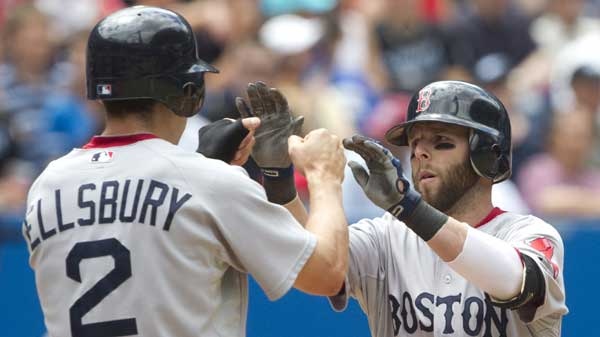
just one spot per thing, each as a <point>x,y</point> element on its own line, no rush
<point>421,152</point>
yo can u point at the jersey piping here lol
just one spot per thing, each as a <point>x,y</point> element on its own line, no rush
<point>493,213</point>
<point>98,142</point>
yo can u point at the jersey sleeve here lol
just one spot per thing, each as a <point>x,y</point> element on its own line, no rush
<point>259,237</point>
<point>366,271</point>
<point>542,243</point>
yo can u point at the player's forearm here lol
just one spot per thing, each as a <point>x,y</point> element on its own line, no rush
<point>296,207</point>
<point>326,270</point>
<point>448,242</point>
<point>488,262</point>
<point>328,222</point>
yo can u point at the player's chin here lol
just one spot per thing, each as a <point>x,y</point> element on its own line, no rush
<point>429,193</point>
<point>427,186</point>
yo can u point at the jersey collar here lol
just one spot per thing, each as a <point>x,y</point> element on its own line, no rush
<point>98,142</point>
<point>493,213</point>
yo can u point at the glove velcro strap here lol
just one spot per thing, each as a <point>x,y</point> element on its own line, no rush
<point>425,220</point>
<point>276,173</point>
<point>281,190</point>
<point>406,206</point>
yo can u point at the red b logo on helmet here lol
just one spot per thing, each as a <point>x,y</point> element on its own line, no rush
<point>423,100</point>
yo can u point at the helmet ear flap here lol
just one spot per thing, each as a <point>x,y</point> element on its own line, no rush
<point>485,154</point>
<point>189,102</point>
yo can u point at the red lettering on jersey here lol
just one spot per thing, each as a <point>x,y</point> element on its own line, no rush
<point>423,100</point>
<point>545,247</point>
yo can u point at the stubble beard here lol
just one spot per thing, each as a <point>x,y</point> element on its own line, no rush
<point>454,184</point>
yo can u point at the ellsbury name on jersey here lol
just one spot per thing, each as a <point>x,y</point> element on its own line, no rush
<point>105,203</point>
<point>477,314</point>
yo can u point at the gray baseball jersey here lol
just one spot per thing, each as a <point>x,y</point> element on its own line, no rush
<point>135,236</point>
<point>407,290</point>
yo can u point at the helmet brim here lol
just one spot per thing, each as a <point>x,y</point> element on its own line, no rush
<point>397,134</point>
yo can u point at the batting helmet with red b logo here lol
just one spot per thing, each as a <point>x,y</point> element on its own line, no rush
<point>465,104</point>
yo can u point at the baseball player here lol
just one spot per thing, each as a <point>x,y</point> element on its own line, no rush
<point>133,236</point>
<point>443,261</point>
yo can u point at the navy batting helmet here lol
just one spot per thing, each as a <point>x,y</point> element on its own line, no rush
<point>465,104</point>
<point>146,53</point>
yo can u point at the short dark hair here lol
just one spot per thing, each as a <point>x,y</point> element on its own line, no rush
<point>121,108</point>
<point>586,72</point>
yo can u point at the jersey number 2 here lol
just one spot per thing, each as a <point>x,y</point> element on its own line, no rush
<point>119,274</point>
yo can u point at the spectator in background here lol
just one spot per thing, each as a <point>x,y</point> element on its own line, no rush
<point>82,14</point>
<point>71,119</point>
<point>489,26</point>
<point>43,112</point>
<point>491,72</point>
<point>558,183</point>
<point>586,90</point>
<point>532,8</point>
<point>6,6</point>
<point>530,114</point>
<point>14,183</point>
<point>27,78</point>
<point>303,70</point>
<point>561,23</point>
<point>324,73</point>
<point>357,72</point>
<point>576,82</point>
<point>585,83</point>
<point>241,61</point>
<point>412,50</point>
<point>209,19</point>
<point>580,53</point>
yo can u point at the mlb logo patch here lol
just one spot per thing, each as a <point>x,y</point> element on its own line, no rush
<point>104,89</point>
<point>102,157</point>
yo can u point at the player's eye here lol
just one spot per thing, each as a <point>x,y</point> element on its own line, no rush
<point>444,146</point>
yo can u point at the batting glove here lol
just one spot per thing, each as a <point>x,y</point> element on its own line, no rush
<point>221,139</point>
<point>384,184</point>
<point>270,151</point>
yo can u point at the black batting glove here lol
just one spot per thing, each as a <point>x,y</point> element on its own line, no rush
<point>270,152</point>
<point>221,139</point>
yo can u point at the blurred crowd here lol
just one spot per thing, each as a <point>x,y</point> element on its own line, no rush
<point>346,65</point>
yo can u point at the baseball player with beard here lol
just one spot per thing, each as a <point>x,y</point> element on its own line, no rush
<point>443,261</point>
<point>133,236</point>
